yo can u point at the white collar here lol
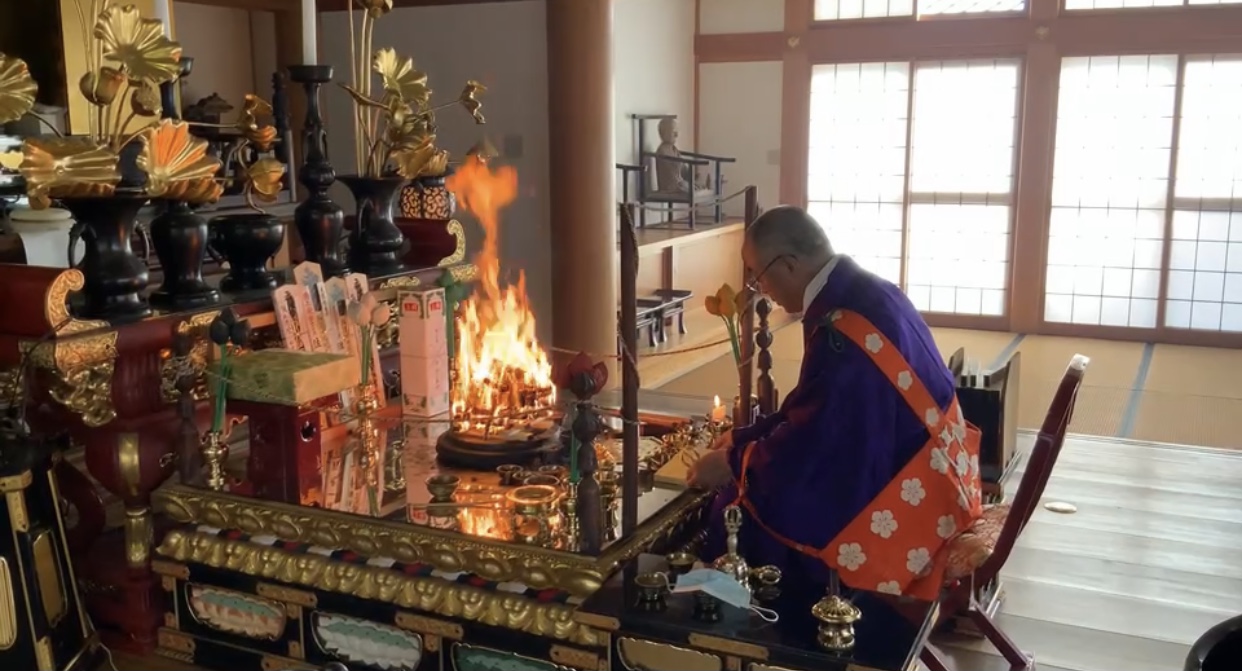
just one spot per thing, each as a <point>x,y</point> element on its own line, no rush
<point>818,282</point>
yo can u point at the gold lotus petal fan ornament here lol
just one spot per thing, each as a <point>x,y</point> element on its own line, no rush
<point>470,100</point>
<point>400,77</point>
<point>177,164</point>
<point>265,175</point>
<point>144,100</point>
<point>67,167</point>
<point>376,8</point>
<point>138,44</point>
<point>17,88</point>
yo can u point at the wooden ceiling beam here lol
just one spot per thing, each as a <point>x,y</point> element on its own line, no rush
<point>1201,29</point>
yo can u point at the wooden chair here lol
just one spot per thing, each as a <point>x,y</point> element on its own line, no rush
<point>957,362</point>
<point>693,199</point>
<point>978,554</point>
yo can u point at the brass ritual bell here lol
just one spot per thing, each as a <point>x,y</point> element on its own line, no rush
<point>731,563</point>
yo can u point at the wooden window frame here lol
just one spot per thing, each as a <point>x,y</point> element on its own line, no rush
<point>1040,37</point>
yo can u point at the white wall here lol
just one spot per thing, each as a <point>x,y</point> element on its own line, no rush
<point>740,116</point>
<point>219,41</point>
<point>741,16</point>
<point>502,45</point>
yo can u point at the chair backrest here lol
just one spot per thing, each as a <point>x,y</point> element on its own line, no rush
<point>1006,379</point>
<point>1039,465</point>
<point>957,362</point>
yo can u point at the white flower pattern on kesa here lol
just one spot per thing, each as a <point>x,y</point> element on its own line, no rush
<point>946,437</point>
<point>850,556</point>
<point>912,491</point>
<point>904,380</point>
<point>917,560</point>
<point>873,342</point>
<point>940,460</point>
<point>946,526</point>
<point>959,430</point>
<point>836,315</point>
<point>962,463</point>
<point>932,416</point>
<point>964,496</point>
<point>883,524</point>
<point>888,587</point>
<point>974,463</point>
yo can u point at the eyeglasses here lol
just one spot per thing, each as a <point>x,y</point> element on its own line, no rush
<point>753,284</point>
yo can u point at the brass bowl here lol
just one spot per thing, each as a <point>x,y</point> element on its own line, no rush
<point>558,472</point>
<point>532,499</point>
<point>542,480</point>
<point>680,563</point>
<point>508,474</point>
<point>443,486</point>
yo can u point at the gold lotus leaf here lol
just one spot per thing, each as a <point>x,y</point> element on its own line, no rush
<point>413,160</point>
<point>17,89</point>
<point>176,162</point>
<point>67,167</point>
<point>401,78</point>
<point>470,100</point>
<point>145,100</point>
<point>138,44</point>
<point>265,175</point>
<point>361,99</point>
<point>11,160</point>
<point>376,8</point>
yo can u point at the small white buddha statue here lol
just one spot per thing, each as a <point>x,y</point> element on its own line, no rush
<point>674,176</point>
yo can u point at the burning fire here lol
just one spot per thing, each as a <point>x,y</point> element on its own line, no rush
<point>504,379</point>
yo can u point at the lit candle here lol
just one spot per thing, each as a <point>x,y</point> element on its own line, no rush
<point>718,411</point>
<point>164,16</point>
<point>309,48</point>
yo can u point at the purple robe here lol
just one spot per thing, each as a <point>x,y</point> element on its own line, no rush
<point>840,436</point>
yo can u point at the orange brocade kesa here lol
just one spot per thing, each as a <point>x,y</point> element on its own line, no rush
<point>503,375</point>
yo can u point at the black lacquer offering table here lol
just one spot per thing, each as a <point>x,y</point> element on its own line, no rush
<point>670,638</point>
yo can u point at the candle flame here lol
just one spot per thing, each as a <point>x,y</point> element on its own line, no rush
<point>717,401</point>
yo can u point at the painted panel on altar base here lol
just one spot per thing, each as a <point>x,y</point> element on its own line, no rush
<point>356,641</point>
<point>478,658</point>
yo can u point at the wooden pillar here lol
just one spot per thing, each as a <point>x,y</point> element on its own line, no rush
<point>582,180</point>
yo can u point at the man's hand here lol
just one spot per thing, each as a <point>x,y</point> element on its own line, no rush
<point>723,442</point>
<point>711,471</point>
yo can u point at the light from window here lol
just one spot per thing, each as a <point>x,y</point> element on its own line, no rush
<point>857,160</point>
<point>941,7</point>
<point>1072,5</point>
<point>1205,255</point>
<point>1110,190</point>
<point>844,10</point>
<point>961,177</point>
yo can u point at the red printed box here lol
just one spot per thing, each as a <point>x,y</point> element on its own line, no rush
<point>422,323</point>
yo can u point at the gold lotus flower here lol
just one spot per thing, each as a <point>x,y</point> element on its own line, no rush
<point>253,108</point>
<point>145,100</point>
<point>138,44</point>
<point>177,164</point>
<point>723,303</point>
<point>400,77</point>
<point>470,100</point>
<point>17,89</point>
<point>67,167</point>
<point>376,8</point>
<point>261,137</point>
<point>265,175</point>
<point>100,88</point>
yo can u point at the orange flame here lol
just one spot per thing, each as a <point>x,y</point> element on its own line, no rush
<point>502,372</point>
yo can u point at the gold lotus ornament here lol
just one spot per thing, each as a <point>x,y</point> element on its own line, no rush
<point>264,177</point>
<point>100,88</point>
<point>177,164</point>
<point>400,78</point>
<point>375,8</point>
<point>144,100</point>
<point>138,44</point>
<point>67,167</point>
<point>415,160</point>
<point>17,89</point>
<point>470,100</point>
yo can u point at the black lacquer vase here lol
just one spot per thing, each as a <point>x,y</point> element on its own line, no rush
<point>115,278</point>
<point>247,241</point>
<point>180,238</point>
<point>375,244</point>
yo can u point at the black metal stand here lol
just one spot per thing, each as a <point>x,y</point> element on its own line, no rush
<point>320,221</point>
<point>168,99</point>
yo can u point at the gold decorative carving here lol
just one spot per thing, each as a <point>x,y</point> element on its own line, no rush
<point>273,663</point>
<point>82,367</point>
<point>733,663</point>
<point>295,650</point>
<point>48,575</point>
<point>575,658</point>
<point>403,282</point>
<point>139,533</point>
<point>287,595</point>
<point>431,643</point>
<point>465,272</point>
<point>639,655</point>
<point>44,659</point>
<point>168,582</point>
<point>432,595</point>
<point>16,483</point>
<point>421,624</point>
<point>56,305</point>
<point>12,382</point>
<point>728,646</point>
<point>8,606</point>
<point>538,567</point>
<point>598,621</point>
<point>175,640</point>
<point>456,230</point>
<point>129,461</point>
<point>17,511</point>
<point>200,354</point>
<point>170,569</point>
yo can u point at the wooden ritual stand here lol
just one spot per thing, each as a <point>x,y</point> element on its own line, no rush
<point>115,389</point>
<point>285,446</point>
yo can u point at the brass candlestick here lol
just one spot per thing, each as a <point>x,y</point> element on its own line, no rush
<point>569,514</point>
<point>609,491</point>
<point>215,453</point>
<point>836,617</point>
<point>368,432</point>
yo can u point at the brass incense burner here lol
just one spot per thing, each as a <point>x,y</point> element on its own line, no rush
<point>836,623</point>
<point>533,509</point>
<point>732,563</point>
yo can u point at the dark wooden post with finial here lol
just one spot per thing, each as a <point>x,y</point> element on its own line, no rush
<point>765,386</point>
<point>629,371</point>
<point>747,337</point>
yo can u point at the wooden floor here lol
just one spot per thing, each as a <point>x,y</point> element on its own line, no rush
<point>1148,563</point>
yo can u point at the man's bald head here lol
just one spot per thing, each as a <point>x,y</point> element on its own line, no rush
<point>784,249</point>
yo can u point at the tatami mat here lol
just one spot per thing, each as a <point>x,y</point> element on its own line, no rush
<point>1162,393</point>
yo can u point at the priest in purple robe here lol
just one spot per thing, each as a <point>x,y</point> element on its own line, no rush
<point>844,432</point>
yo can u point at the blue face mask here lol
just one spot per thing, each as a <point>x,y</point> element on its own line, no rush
<point>721,586</point>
